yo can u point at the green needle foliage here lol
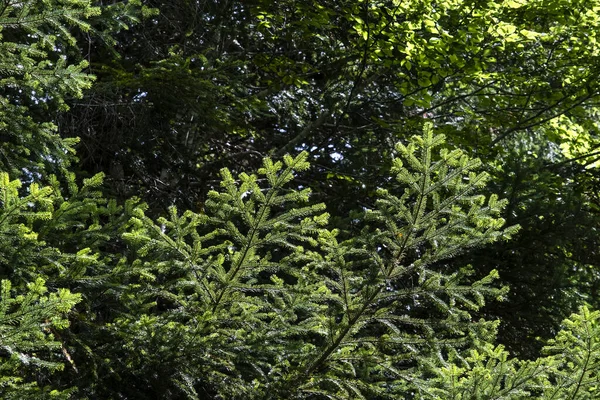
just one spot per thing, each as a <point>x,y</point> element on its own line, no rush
<point>391,297</point>
<point>262,301</point>
<point>487,372</point>
<point>218,281</point>
<point>254,297</point>
<point>41,69</point>
<point>575,358</point>
<point>49,234</point>
<point>27,330</point>
<point>52,243</point>
<point>30,317</point>
<point>251,293</point>
<point>36,77</point>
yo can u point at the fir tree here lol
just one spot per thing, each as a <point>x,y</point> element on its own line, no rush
<point>41,69</point>
<point>573,362</point>
<point>53,244</point>
<point>265,302</point>
<point>28,324</point>
<point>29,317</point>
<point>255,294</point>
<point>36,77</point>
<point>486,371</point>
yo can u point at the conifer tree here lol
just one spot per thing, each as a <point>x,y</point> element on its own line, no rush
<point>41,69</point>
<point>255,294</point>
<point>28,323</point>
<point>36,77</point>
<point>262,301</point>
<point>54,254</point>
<point>573,360</point>
<point>486,371</point>
<point>59,237</point>
<point>48,240</point>
<point>28,316</point>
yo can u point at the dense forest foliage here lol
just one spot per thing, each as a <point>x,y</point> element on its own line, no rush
<point>299,199</point>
